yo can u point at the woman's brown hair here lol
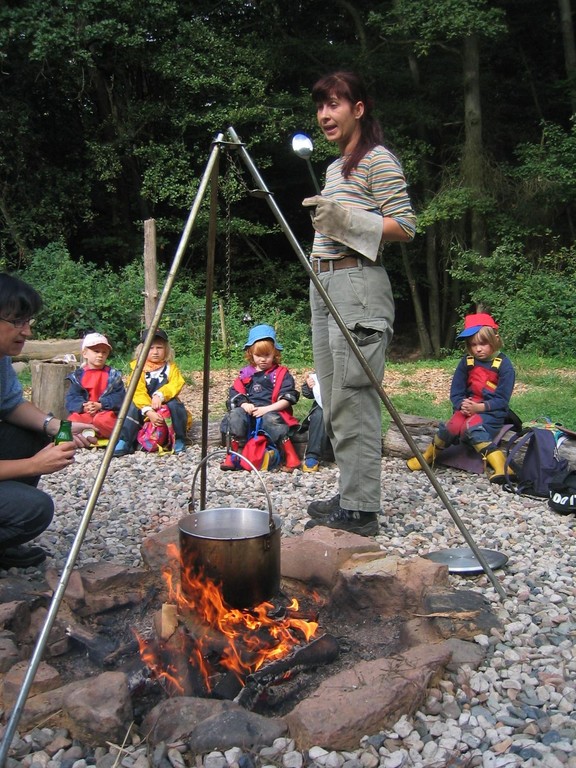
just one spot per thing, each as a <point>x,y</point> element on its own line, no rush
<point>350,86</point>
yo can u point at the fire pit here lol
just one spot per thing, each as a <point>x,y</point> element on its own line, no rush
<point>366,627</point>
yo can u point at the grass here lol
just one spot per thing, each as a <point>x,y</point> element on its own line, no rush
<point>545,387</point>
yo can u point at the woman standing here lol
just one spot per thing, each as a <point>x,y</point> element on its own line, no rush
<point>363,205</point>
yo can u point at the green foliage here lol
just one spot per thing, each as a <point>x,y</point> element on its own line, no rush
<point>80,297</point>
<point>532,301</point>
<point>547,169</point>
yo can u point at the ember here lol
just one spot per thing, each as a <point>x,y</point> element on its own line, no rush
<point>206,648</point>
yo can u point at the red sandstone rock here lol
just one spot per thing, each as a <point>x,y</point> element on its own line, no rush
<point>100,708</point>
<point>154,548</point>
<point>15,615</point>
<point>46,679</point>
<point>74,593</point>
<point>388,586</point>
<point>362,700</point>
<point>8,654</point>
<point>103,577</point>
<point>317,555</point>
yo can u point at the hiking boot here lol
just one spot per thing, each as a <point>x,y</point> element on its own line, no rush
<point>21,556</point>
<point>320,509</point>
<point>362,523</point>
<point>310,464</point>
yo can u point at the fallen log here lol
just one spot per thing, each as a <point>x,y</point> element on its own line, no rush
<point>422,431</point>
<point>46,349</point>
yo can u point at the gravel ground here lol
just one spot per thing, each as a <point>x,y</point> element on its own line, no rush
<point>518,709</point>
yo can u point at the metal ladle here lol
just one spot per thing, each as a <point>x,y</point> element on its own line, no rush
<point>303,147</point>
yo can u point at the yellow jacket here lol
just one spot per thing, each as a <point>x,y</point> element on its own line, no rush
<point>169,391</point>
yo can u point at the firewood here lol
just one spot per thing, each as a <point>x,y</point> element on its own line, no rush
<point>321,650</point>
<point>166,621</point>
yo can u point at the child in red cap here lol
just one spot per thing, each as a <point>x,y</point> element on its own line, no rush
<point>480,393</point>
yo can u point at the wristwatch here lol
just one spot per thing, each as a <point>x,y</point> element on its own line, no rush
<point>47,420</point>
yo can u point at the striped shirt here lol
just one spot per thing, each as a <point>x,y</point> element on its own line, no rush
<point>376,184</point>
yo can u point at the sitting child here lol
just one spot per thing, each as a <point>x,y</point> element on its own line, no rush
<point>480,393</point>
<point>160,384</point>
<point>263,389</point>
<point>96,390</point>
<point>318,446</point>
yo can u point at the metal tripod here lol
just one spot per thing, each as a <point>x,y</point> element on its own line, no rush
<point>210,177</point>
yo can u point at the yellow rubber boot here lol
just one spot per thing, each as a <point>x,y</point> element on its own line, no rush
<point>495,459</point>
<point>428,455</point>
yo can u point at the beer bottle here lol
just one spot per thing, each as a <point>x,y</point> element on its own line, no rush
<point>64,434</point>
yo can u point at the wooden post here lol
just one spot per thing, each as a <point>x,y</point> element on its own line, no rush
<point>223,325</point>
<point>150,272</point>
<point>49,385</point>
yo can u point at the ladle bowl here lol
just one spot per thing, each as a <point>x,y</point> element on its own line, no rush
<point>302,145</point>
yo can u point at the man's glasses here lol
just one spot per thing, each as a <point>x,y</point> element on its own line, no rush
<point>20,323</point>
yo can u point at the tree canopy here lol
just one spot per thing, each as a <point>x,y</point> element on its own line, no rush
<point>108,111</point>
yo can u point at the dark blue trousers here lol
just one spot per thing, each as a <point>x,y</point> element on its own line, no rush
<point>134,420</point>
<point>25,511</point>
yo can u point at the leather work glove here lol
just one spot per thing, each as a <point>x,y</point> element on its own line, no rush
<point>358,229</point>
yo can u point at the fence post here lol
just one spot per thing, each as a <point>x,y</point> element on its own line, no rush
<point>150,272</point>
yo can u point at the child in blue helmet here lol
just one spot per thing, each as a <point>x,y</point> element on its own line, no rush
<point>263,389</point>
<point>480,393</point>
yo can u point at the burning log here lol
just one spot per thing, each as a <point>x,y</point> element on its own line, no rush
<point>99,646</point>
<point>322,650</point>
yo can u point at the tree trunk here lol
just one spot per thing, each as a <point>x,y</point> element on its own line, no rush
<point>569,48</point>
<point>150,272</point>
<point>472,160</point>
<point>423,337</point>
<point>49,386</point>
<point>434,309</point>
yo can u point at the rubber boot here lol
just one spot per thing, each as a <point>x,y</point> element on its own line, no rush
<point>291,458</point>
<point>232,463</point>
<point>429,455</point>
<point>496,459</point>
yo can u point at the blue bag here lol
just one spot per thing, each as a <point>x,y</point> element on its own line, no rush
<point>540,463</point>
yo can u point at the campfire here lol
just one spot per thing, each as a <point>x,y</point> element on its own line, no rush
<point>280,664</point>
<point>204,647</point>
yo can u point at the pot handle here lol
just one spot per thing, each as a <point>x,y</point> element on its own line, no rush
<point>224,452</point>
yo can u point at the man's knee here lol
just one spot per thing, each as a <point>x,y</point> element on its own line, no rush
<point>25,512</point>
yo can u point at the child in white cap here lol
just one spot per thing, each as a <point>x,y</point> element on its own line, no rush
<point>480,393</point>
<point>96,390</point>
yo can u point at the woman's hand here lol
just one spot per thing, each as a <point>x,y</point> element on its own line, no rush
<point>92,407</point>
<point>261,410</point>
<point>469,407</point>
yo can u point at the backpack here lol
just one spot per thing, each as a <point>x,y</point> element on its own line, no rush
<point>259,450</point>
<point>158,439</point>
<point>563,492</point>
<point>539,465</point>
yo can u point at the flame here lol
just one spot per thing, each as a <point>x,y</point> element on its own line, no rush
<point>244,639</point>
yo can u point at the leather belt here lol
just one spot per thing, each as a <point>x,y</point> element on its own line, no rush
<point>347,262</point>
